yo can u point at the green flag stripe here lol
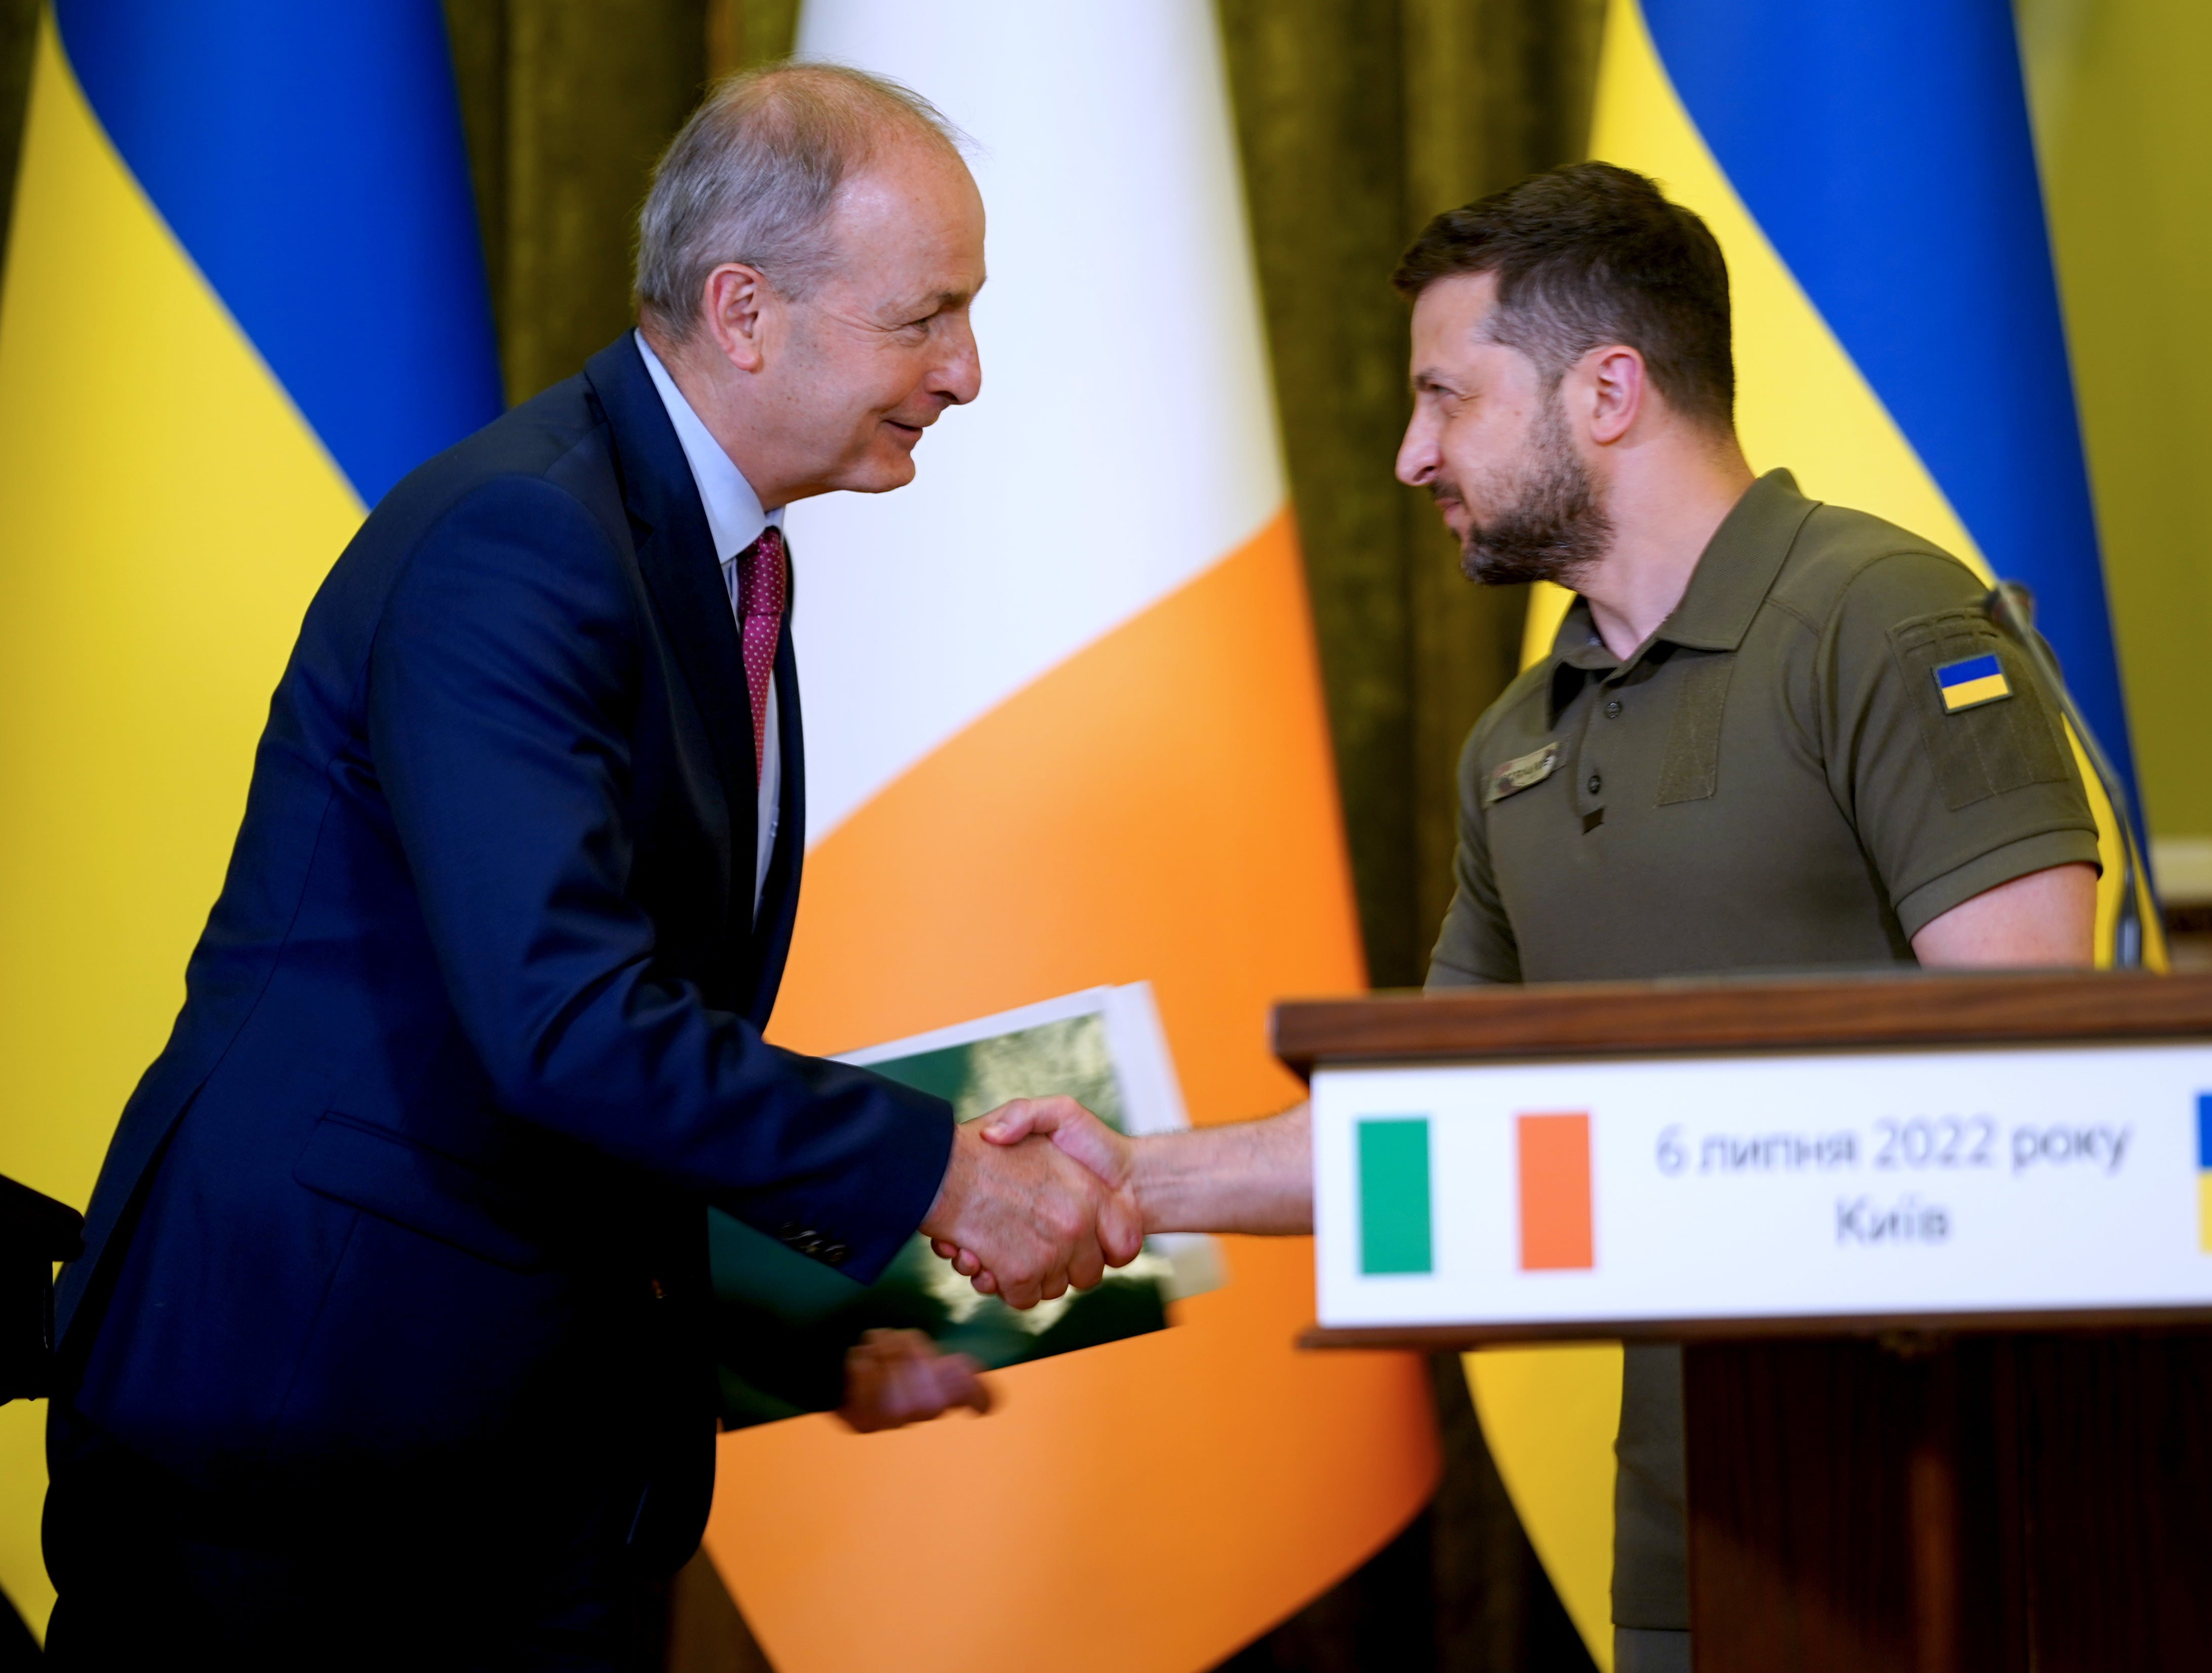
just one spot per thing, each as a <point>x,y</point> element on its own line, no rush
<point>1393,1195</point>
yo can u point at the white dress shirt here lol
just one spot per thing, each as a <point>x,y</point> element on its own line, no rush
<point>735,520</point>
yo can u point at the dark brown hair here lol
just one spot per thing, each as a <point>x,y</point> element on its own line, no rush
<point>1588,255</point>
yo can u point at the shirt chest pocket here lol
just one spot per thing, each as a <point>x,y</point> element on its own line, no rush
<point>1690,771</point>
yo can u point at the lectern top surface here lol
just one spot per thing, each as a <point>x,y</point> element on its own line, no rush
<point>1590,1019</point>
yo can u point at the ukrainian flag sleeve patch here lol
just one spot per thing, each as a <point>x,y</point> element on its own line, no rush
<point>1972,683</point>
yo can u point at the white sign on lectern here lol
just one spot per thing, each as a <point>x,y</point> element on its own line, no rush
<point>1540,1197</point>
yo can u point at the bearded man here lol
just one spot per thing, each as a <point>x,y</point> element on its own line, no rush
<point>1747,749</point>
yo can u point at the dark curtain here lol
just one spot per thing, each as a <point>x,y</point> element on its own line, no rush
<point>1358,120</point>
<point>18,29</point>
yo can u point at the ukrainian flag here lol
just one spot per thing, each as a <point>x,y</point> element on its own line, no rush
<point>244,295</point>
<point>1870,173</point>
<point>1972,683</point>
<point>2204,1171</point>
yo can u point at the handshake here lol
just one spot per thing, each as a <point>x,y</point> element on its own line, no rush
<point>1041,1197</point>
<point>1038,1199</point>
<point>1021,1217</point>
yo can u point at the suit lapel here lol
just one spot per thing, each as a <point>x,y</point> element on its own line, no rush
<point>694,605</point>
<point>676,554</point>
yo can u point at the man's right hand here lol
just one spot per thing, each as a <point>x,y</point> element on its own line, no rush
<point>1252,1176</point>
<point>1037,1220</point>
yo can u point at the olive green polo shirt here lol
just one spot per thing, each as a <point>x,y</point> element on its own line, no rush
<point>1776,779</point>
<point>1773,779</point>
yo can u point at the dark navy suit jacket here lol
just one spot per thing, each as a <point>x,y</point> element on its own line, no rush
<point>415,1189</point>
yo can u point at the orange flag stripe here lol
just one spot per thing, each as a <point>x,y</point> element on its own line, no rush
<point>1555,1192</point>
<point>1158,806</point>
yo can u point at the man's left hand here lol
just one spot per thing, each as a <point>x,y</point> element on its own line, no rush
<point>895,1378</point>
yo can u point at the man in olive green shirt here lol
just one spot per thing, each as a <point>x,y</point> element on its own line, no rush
<point>1769,778</point>
<point>1770,733</point>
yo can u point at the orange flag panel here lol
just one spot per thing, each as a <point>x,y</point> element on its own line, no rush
<point>1160,806</point>
<point>1555,1192</point>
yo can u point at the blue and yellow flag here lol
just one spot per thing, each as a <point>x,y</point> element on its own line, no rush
<point>1869,172</point>
<point>1971,682</point>
<point>2204,1171</point>
<point>1883,150</point>
<point>244,295</point>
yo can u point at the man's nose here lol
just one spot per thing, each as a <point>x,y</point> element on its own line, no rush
<point>960,376</point>
<point>1417,453</point>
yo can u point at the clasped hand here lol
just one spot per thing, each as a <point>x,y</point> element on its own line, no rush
<point>1060,1135</point>
<point>1028,1215</point>
<point>1033,1205</point>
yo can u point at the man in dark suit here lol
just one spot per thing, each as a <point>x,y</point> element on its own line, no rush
<point>389,1347</point>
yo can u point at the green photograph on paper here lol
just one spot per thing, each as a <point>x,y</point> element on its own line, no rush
<point>784,1321</point>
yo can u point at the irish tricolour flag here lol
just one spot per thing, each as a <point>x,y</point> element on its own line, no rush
<point>1552,1195</point>
<point>1064,729</point>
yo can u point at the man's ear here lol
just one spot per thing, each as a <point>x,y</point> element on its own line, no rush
<point>735,309</point>
<point>1615,383</point>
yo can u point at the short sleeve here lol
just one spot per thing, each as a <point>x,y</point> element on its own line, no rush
<point>1943,745</point>
<point>1477,944</point>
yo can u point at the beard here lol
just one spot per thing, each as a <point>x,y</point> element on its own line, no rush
<point>1552,527</point>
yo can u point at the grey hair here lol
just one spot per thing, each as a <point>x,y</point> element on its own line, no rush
<point>753,177</point>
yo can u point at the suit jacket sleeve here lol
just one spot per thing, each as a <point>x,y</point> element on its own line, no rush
<point>497,701</point>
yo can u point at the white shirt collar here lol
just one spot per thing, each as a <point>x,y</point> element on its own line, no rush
<point>734,517</point>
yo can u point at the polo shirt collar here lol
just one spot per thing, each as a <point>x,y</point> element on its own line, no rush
<point>1734,575</point>
<point>1739,566</point>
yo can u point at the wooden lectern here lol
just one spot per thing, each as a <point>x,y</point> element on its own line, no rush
<point>1939,1247</point>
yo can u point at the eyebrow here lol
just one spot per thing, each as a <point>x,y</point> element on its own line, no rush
<point>936,302</point>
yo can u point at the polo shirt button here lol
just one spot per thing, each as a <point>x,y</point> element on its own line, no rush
<point>1595,783</point>
<point>1613,709</point>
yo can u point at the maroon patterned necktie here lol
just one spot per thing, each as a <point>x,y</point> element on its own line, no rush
<point>760,593</point>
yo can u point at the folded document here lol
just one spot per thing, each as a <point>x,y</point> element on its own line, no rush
<point>785,1320</point>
